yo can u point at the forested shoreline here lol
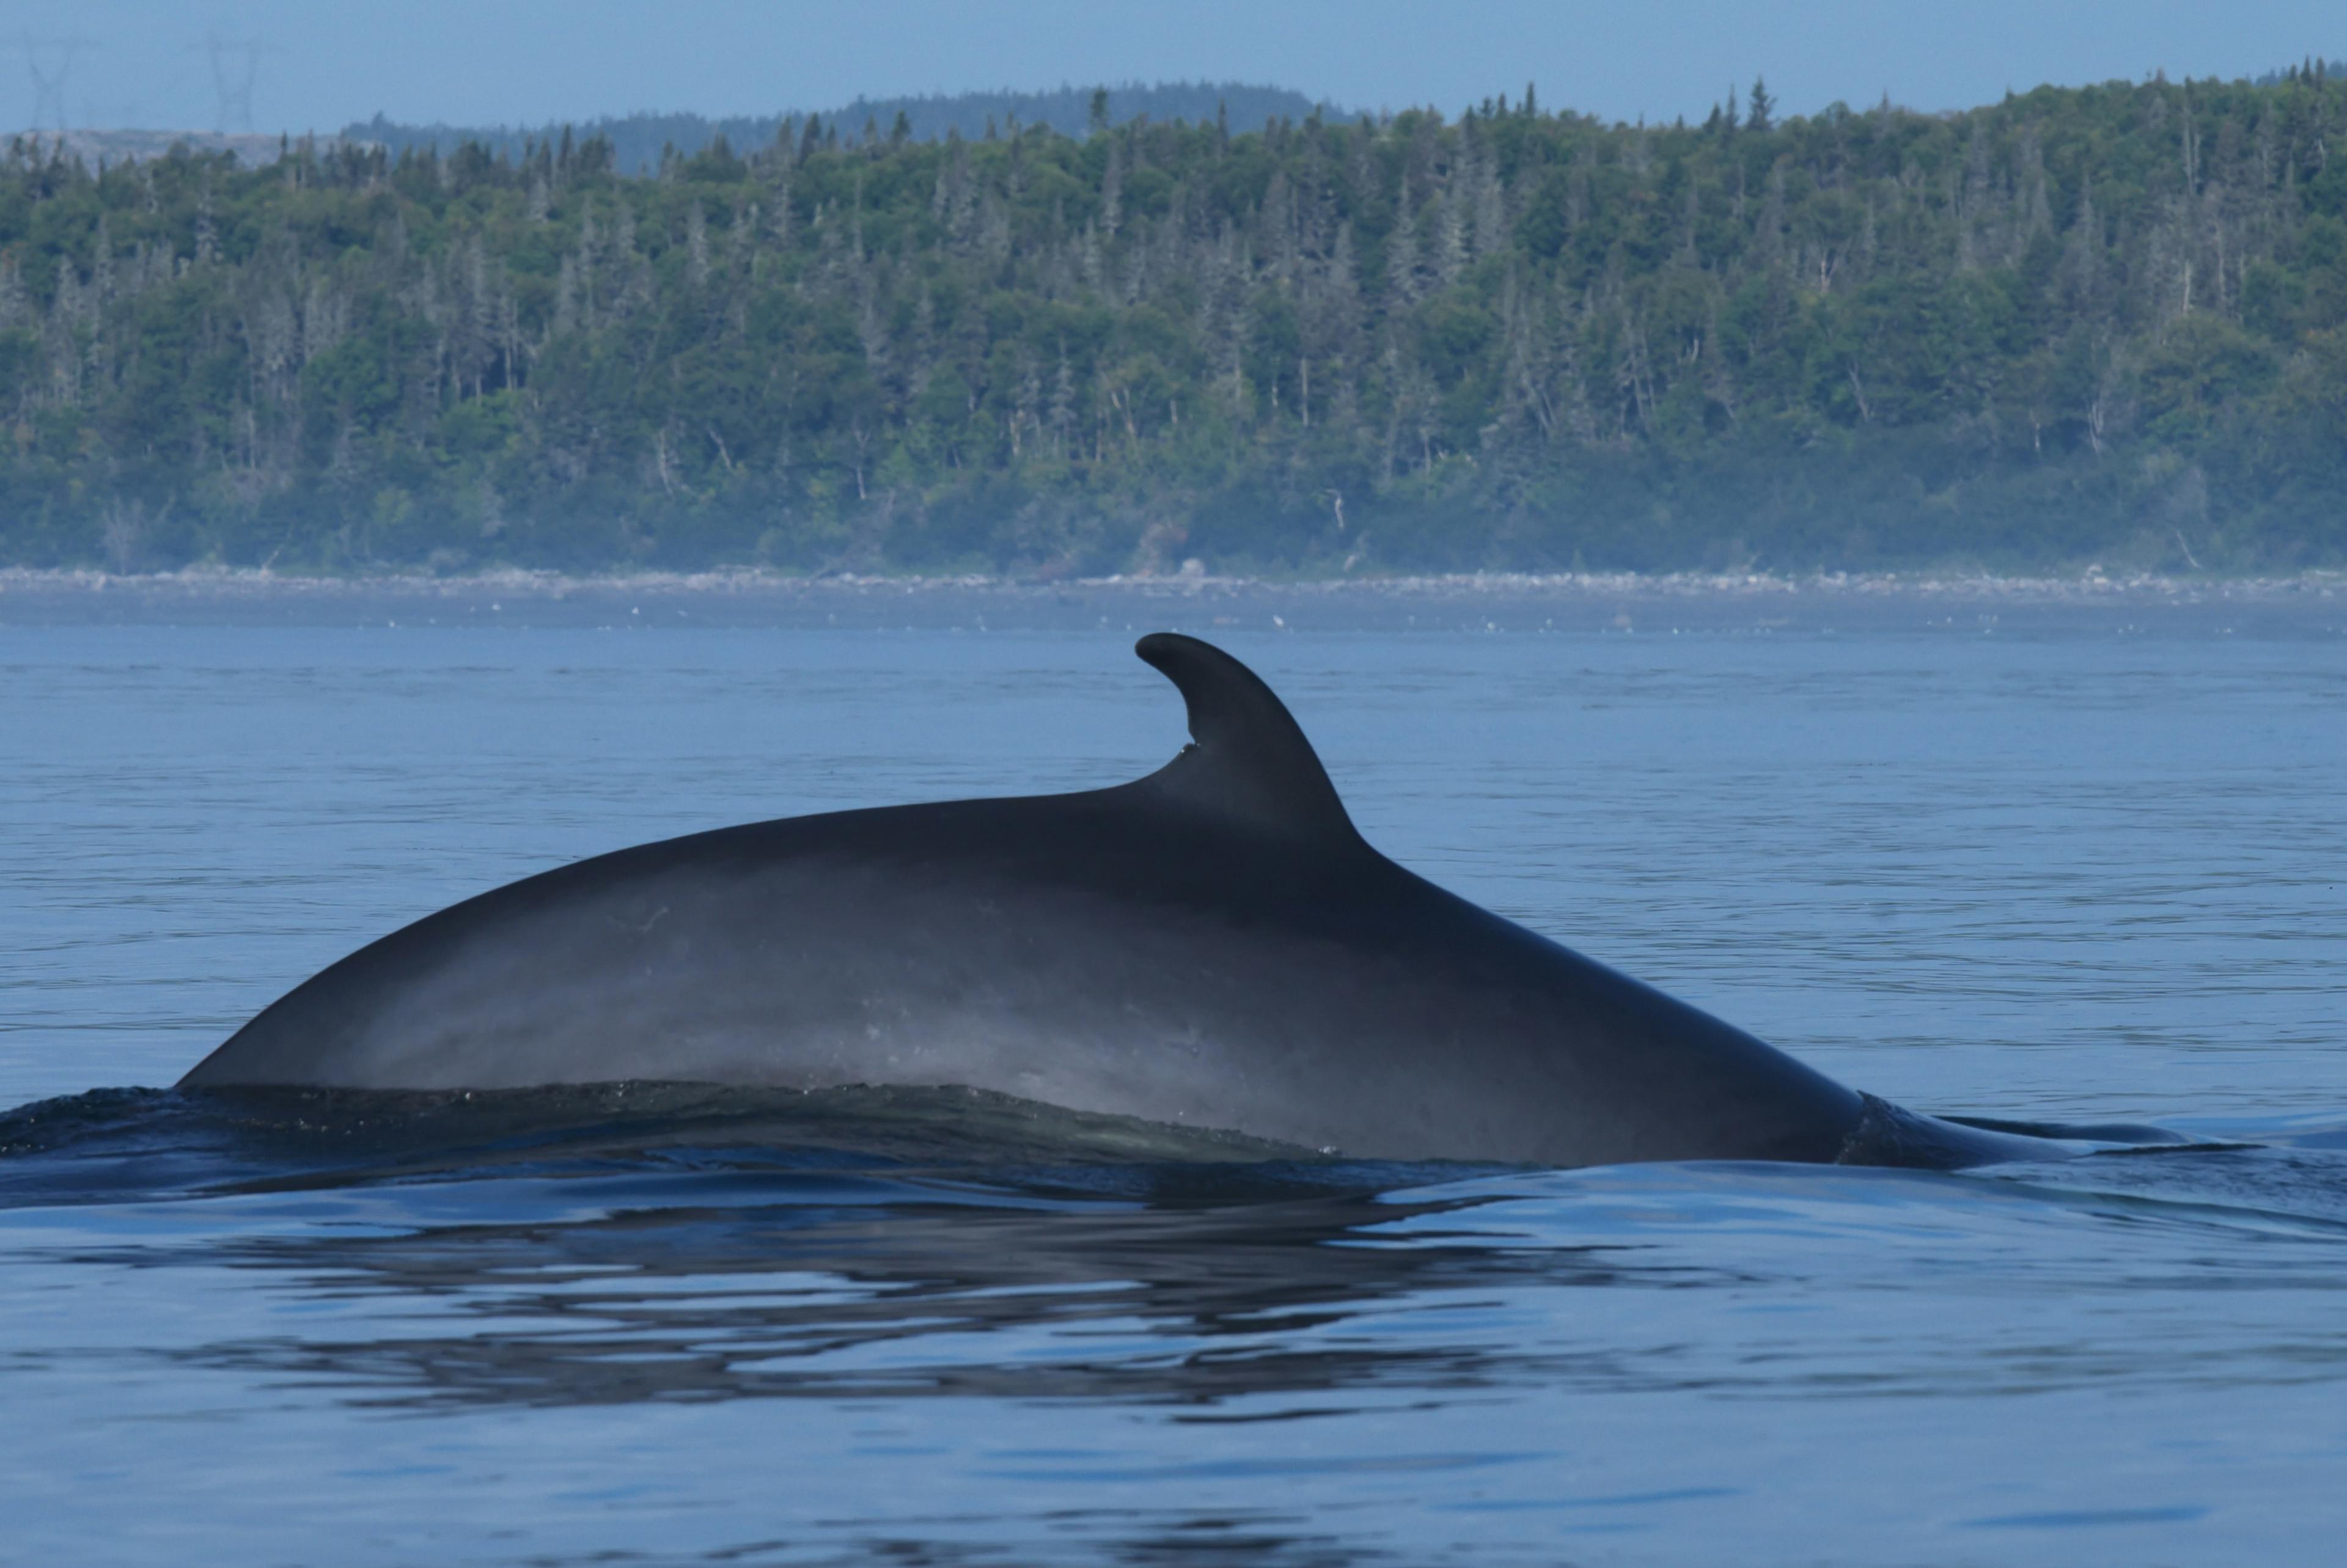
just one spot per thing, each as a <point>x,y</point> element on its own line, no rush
<point>2104,323</point>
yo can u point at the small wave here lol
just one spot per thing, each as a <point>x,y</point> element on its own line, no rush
<point>113,1144</point>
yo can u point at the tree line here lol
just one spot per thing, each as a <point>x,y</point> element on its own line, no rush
<point>2106,323</point>
<point>638,141</point>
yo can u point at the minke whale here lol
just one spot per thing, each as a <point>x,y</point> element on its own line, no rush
<point>1213,946</point>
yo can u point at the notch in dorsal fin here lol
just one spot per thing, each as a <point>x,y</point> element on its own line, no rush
<point>1250,759</point>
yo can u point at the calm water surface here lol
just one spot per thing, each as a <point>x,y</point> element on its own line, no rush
<point>2084,873</point>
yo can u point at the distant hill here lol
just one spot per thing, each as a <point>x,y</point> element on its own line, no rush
<point>637,140</point>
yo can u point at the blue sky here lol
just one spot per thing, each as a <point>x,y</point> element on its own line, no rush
<point>147,62</point>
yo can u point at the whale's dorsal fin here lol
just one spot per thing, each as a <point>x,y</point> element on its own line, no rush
<point>1250,758</point>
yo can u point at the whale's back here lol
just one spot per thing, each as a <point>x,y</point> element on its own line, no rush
<point>1214,944</point>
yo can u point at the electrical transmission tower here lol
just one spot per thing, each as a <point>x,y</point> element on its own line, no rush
<point>50,61</point>
<point>235,61</point>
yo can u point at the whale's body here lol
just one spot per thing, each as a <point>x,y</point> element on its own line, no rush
<point>1213,946</point>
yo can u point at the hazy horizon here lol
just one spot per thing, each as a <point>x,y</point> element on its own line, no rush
<point>271,65</point>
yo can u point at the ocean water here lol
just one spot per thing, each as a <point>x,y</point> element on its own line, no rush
<point>2084,868</point>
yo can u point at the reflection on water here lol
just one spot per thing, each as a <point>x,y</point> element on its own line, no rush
<point>1291,1358</point>
<point>804,1256</point>
<point>659,1324</point>
<point>625,1242</point>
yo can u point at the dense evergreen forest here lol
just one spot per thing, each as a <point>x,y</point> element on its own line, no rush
<point>2100,324</point>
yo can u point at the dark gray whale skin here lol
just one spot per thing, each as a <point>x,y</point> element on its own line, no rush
<point>1214,944</point>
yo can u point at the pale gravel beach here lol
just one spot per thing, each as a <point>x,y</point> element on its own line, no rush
<point>1519,601</point>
